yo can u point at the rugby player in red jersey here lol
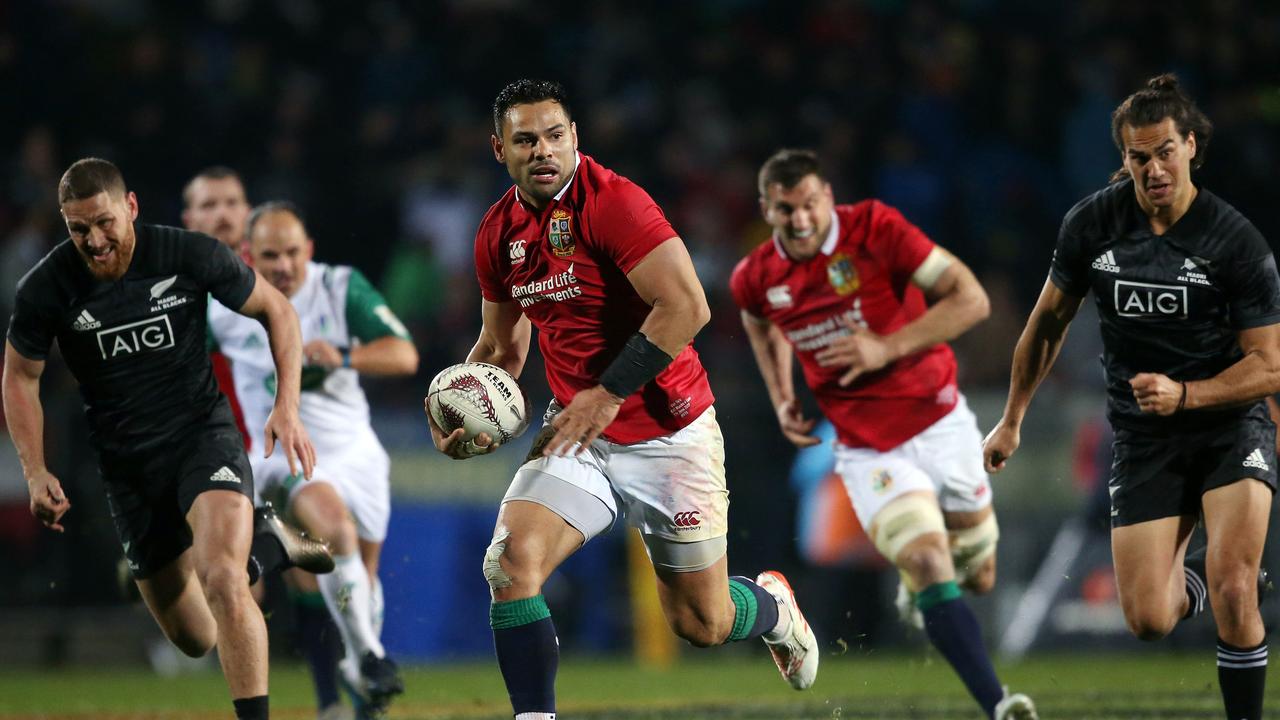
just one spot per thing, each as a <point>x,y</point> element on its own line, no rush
<point>586,257</point>
<point>867,303</point>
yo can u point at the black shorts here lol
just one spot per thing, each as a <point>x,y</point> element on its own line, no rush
<point>150,495</point>
<point>1158,476</point>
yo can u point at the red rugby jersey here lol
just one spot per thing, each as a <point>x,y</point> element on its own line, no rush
<point>863,273</point>
<point>567,268</point>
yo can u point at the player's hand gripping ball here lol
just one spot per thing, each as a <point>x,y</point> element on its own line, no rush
<point>480,398</point>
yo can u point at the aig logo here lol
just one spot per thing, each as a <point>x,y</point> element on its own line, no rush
<point>145,335</point>
<point>517,251</point>
<point>1135,299</point>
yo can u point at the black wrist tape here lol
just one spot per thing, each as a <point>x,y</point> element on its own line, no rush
<point>638,363</point>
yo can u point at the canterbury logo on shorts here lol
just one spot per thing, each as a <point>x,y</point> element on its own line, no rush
<point>687,519</point>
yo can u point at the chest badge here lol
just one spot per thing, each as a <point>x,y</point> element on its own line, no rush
<point>559,234</point>
<point>842,274</point>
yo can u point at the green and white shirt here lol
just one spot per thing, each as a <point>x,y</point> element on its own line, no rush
<point>336,304</point>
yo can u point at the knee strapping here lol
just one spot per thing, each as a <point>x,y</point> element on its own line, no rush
<point>904,520</point>
<point>970,547</point>
<point>493,572</point>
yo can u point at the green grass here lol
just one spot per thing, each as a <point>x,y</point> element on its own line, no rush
<point>710,685</point>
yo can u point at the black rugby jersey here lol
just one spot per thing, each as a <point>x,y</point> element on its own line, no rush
<point>137,344</point>
<point>1169,304</point>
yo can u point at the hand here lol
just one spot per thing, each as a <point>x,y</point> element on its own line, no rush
<point>322,354</point>
<point>48,503</point>
<point>1001,443</point>
<point>453,445</point>
<point>862,351</point>
<point>285,426</point>
<point>1157,393</point>
<point>583,420</point>
<point>795,426</point>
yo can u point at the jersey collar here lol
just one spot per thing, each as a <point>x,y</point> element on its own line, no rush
<point>828,245</point>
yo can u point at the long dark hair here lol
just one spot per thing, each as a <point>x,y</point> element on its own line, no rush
<point>1163,97</point>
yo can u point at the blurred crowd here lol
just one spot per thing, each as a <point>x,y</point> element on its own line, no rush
<point>983,121</point>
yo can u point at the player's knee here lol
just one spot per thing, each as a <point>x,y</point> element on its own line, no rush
<point>698,627</point>
<point>1234,593</point>
<point>511,570</point>
<point>910,531</point>
<point>224,584</point>
<point>1148,624</point>
<point>973,553</point>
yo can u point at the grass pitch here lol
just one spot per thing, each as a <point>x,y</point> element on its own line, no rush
<point>710,685</point>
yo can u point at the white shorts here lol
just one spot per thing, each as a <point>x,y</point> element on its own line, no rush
<point>359,469</point>
<point>945,458</point>
<point>672,487</point>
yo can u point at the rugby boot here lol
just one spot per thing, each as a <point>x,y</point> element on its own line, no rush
<point>796,654</point>
<point>905,603</point>
<point>1016,707</point>
<point>300,549</point>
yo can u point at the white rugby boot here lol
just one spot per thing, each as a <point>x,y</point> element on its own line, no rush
<point>1016,707</point>
<point>796,653</point>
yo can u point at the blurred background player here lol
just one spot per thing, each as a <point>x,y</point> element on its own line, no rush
<point>214,203</point>
<point>589,259</point>
<point>347,331</point>
<point>1188,299</point>
<point>174,467</point>
<point>867,302</point>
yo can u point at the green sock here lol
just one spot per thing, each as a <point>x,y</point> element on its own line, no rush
<point>937,594</point>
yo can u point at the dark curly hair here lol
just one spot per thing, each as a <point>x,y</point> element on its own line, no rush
<point>1163,97</point>
<point>525,91</point>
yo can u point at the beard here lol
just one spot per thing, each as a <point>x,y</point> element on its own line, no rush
<point>114,268</point>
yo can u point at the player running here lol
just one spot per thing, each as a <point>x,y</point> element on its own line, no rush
<point>126,303</point>
<point>348,331</point>
<point>587,258</point>
<point>1189,302</point>
<point>867,303</point>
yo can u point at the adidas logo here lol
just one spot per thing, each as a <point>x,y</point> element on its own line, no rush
<point>1255,460</point>
<point>85,321</point>
<point>224,474</point>
<point>1106,262</point>
<point>251,342</point>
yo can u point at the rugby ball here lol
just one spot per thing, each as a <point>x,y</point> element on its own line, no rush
<point>478,397</point>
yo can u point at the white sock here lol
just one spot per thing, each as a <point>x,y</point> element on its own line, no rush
<point>377,607</point>
<point>347,594</point>
<point>783,627</point>
<point>536,716</point>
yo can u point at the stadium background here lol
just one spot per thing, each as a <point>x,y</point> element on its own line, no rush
<point>982,121</point>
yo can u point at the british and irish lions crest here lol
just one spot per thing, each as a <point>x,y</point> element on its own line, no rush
<point>842,274</point>
<point>559,234</point>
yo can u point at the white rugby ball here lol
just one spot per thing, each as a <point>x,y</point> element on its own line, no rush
<point>478,397</point>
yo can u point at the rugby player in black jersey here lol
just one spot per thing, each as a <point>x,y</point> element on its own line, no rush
<point>126,303</point>
<point>1189,303</point>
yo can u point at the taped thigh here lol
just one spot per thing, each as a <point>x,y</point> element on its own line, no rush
<point>971,546</point>
<point>903,520</point>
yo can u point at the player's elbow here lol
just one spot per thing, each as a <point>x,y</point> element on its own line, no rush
<point>977,306</point>
<point>406,358</point>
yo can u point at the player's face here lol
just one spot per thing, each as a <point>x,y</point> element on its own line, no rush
<point>218,207</point>
<point>1159,160</point>
<point>281,249</point>
<point>537,145</point>
<point>101,228</point>
<point>800,215</point>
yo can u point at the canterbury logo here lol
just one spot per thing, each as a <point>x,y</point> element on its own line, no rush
<point>687,519</point>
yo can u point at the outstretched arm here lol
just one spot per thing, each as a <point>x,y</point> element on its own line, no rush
<point>773,357</point>
<point>1034,355</point>
<point>25,417</point>
<point>271,308</point>
<point>1251,378</point>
